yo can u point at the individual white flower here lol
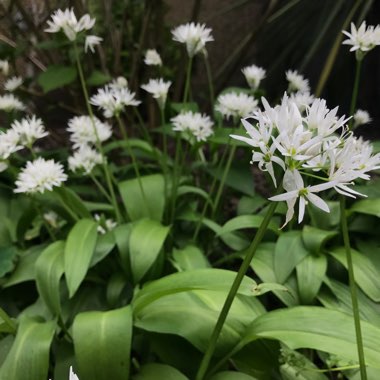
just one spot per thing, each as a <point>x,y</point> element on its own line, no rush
<point>195,36</point>
<point>4,67</point>
<point>73,376</point>
<point>253,75</point>
<point>9,102</point>
<point>12,84</point>
<point>301,99</point>
<point>361,117</point>
<point>82,130</point>
<point>52,218</point>
<point>90,43</point>
<point>68,23</point>
<point>118,83</point>
<point>9,143</point>
<point>297,82</point>
<point>29,130</point>
<point>85,159</point>
<point>40,175</point>
<point>236,105</point>
<point>152,58</point>
<point>199,125</point>
<point>104,225</point>
<point>159,89</point>
<point>362,39</point>
<point>295,188</point>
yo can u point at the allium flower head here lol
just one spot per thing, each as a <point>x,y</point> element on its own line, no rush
<point>4,67</point>
<point>361,117</point>
<point>236,105</point>
<point>9,102</point>
<point>159,89</point>
<point>362,39</point>
<point>253,75</point>
<point>12,84</point>
<point>40,175</point>
<point>82,131</point>
<point>9,143</point>
<point>297,82</point>
<point>152,58</point>
<point>195,36</point>
<point>118,83</point>
<point>302,100</point>
<point>104,225</point>
<point>68,23</point>
<point>91,42</point>
<point>197,124</point>
<point>29,130</point>
<point>84,159</point>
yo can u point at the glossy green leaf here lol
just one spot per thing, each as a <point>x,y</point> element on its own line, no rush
<point>288,253</point>
<point>249,205</point>
<point>366,275</point>
<point>102,342</point>
<point>152,205</point>
<point>7,324</point>
<point>266,287</point>
<point>231,375</point>
<point>7,259</point>
<point>104,245</point>
<point>49,270</point>
<point>190,257</point>
<point>56,76</point>
<point>181,107</point>
<point>154,371</point>
<point>79,250</point>
<point>246,221</point>
<point>367,206</point>
<point>145,243</point>
<point>122,234</point>
<point>310,273</point>
<point>97,78</point>
<point>29,355</point>
<point>314,239</point>
<point>186,190</point>
<point>72,201</point>
<point>316,328</point>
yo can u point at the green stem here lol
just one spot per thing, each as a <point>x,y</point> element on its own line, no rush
<point>233,291</point>
<point>98,143</point>
<point>355,91</point>
<point>353,291</point>
<point>176,174</point>
<point>101,188</point>
<point>187,83</point>
<point>210,82</point>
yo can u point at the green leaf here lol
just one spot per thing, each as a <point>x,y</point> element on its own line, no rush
<point>138,206</point>
<point>104,245</point>
<point>79,251</point>
<point>72,201</point>
<point>49,270</point>
<point>246,221</point>
<point>145,243</point>
<point>231,375</point>
<point>29,355</point>
<point>367,206</point>
<point>56,76</point>
<point>316,328</point>
<point>6,323</point>
<point>182,107</point>
<point>206,279</point>
<point>314,239</point>
<point>122,234</point>
<point>288,253</point>
<point>190,257</point>
<point>97,78</point>
<point>7,259</point>
<point>154,371</point>
<point>310,273</point>
<point>266,287</point>
<point>366,275</point>
<point>102,342</point>
<point>249,205</point>
<point>184,190</point>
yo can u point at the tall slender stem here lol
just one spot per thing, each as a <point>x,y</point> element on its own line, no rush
<point>233,291</point>
<point>355,91</point>
<point>187,83</point>
<point>100,187</point>
<point>354,296</point>
<point>210,82</point>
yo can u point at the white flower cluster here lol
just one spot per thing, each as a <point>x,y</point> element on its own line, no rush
<point>12,84</point>
<point>84,159</point>
<point>152,58</point>
<point>307,147</point>
<point>362,39</point>
<point>361,117</point>
<point>9,143</point>
<point>197,124</point>
<point>297,83</point>
<point>236,105</point>
<point>159,90</point>
<point>9,103</point>
<point>104,225</point>
<point>253,75</point>
<point>195,36</point>
<point>114,97</point>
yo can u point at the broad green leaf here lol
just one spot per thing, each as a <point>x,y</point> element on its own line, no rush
<point>221,136</point>
<point>310,273</point>
<point>316,328</point>
<point>5,346</point>
<point>314,239</point>
<point>231,375</point>
<point>266,287</point>
<point>97,78</point>
<point>29,355</point>
<point>154,371</point>
<point>323,220</point>
<point>139,206</point>
<point>7,259</point>
<point>79,250</point>
<point>288,253</point>
<point>72,201</point>
<point>190,257</point>
<point>246,221</point>
<point>185,189</point>
<point>104,245</point>
<point>367,206</point>
<point>182,107</point>
<point>249,205</point>
<point>366,275</point>
<point>115,287</point>
<point>56,76</point>
<point>122,234</point>
<point>7,324</point>
<point>145,243</point>
<point>102,342</point>
<point>205,279</point>
<point>49,270</point>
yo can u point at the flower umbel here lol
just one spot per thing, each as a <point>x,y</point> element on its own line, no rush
<point>159,89</point>
<point>236,105</point>
<point>253,75</point>
<point>152,58</point>
<point>29,130</point>
<point>12,84</point>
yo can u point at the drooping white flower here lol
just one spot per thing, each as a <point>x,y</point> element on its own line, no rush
<point>91,42</point>
<point>362,39</point>
<point>253,75</point>
<point>361,117</point>
<point>199,125</point>
<point>12,84</point>
<point>82,130</point>
<point>301,99</point>
<point>236,105</point>
<point>104,225</point>
<point>118,83</point>
<point>9,102</point>
<point>84,159</point>
<point>152,58</point>
<point>40,175</point>
<point>195,36</point>
<point>29,130</point>
<point>68,23</point>
<point>4,67</point>
<point>159,89</point>
<point>297,82</point>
